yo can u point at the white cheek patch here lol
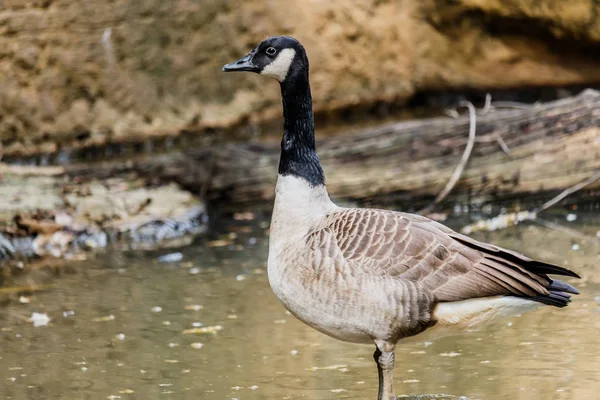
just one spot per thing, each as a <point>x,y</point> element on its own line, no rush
<point>279,68</point>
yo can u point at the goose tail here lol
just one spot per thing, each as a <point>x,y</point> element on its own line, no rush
<point>559,294</point>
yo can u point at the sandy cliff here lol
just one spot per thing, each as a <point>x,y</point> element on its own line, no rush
<point>92,72</point>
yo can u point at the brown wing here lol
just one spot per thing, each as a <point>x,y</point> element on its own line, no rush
<point>451,266</point>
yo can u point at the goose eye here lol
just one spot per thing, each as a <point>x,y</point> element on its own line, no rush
<point>271,51</point>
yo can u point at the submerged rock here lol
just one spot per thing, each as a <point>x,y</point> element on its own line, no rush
<point>56,215</point>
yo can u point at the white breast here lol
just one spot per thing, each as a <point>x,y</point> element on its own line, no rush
<point>298,208</point>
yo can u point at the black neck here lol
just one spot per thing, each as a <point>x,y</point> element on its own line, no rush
<point>298,151</point>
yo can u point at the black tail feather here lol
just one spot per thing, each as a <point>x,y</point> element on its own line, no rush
<point>559,294</point>
<point>553,299</point>
<point>560,286</point>
<point>539,267</point>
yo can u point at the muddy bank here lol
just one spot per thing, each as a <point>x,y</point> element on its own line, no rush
<point>44,212</point>
<point>97,73</point>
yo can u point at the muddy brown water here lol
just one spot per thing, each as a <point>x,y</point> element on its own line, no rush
<point>125,326</point>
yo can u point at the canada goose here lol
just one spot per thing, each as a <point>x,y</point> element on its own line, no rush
<point>377,276</point>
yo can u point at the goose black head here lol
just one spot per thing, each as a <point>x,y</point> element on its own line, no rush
<point>278,57</point>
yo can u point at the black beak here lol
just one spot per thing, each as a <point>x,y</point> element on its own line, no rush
<point>243,64</point>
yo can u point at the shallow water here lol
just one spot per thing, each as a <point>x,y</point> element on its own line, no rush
<point>120,328</point>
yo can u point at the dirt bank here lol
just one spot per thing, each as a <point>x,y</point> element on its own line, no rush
<point>97,72</point>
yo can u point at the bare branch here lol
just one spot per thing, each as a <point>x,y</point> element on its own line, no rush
<point>567,192</point>
<point>463,161</point>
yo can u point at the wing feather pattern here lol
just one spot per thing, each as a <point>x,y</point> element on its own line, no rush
<point>450,266</point>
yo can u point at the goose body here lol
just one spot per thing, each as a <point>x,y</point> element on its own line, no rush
<point>377,276</point>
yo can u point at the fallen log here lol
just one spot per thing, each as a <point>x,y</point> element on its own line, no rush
<point>552,147</point>
<point>533,149</point>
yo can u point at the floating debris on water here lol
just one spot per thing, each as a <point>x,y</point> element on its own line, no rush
<point>166,323</point>
<point>171,361</point>
<point>120,336</point>
<point>197,324</point>
<point>329,367</point>
<point>411,381</point>
<point>172,345</point>
<point>194,271</point>
<point>571,217</point>
<point>219,243</point>
<point>126,391</point>
<point>103,319</point>
<point>196,345</point>
<point>294,352</point>
<point>575,247</point>
<point>451,354</point>
<point>240,278</point>
<point>232,316</point>
<point>25,288</point>
<point>39,319</point>
<point>340,390</point>
<point>253,387</point>
<point>68,313</point>
<point>170,258</point>
<point>24,300</point>
<point>499,222</point>
<point>204,329</point>
<point>279,321</point>
<point>194,307</point>
<point>156,309</point>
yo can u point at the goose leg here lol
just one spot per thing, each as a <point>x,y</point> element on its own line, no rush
<point>384,357</point>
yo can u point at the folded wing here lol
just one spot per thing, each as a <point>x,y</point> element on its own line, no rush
<point>449,265</point>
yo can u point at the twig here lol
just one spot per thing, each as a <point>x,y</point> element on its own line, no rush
<point>452,113</point>
<point>564,229</point>
<point>503,144</point>
<point>514,104</point>
<point>463,161</point>
<point>26,170</point>
<point>487,107</point>
<point>567,192</point>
